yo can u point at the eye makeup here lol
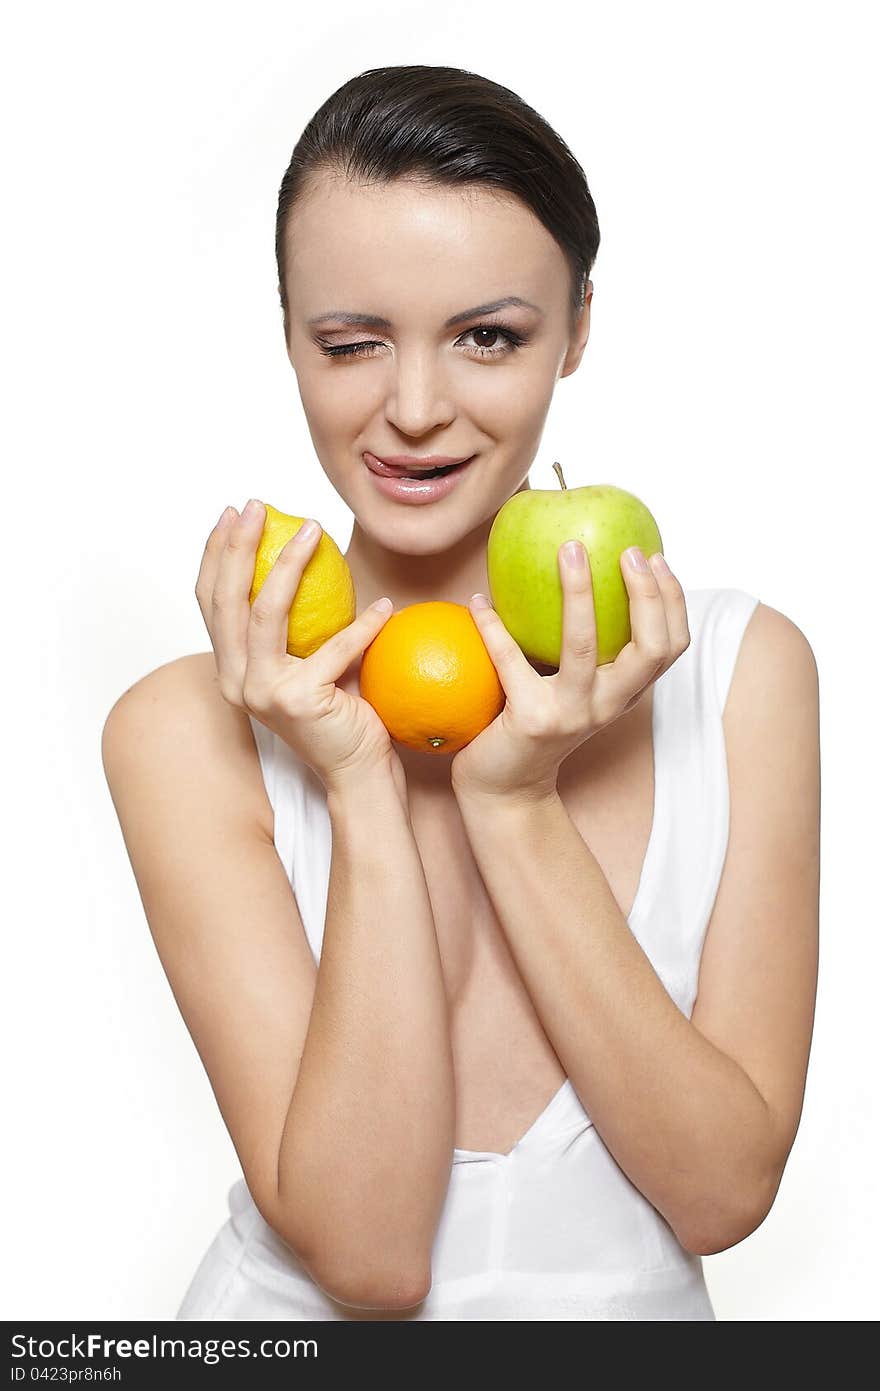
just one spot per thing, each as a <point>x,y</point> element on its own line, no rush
<point>513,340</point>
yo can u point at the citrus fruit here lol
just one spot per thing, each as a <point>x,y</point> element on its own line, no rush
<point>429,678</point>
<point>325,601</point>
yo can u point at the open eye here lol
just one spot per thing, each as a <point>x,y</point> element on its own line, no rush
<point>513,340</point>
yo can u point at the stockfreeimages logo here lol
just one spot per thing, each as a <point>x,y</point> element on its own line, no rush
<point>94,1347</point>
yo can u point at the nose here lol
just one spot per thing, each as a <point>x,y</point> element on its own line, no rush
<point>418,400</point>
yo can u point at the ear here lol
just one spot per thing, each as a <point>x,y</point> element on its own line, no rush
<point>285,328</point>
<point>580,334</point>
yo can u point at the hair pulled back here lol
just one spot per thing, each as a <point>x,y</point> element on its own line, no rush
<point>448,127</point>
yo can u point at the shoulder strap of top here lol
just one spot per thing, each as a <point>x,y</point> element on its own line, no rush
<point>283,788</point>
<point>726,618</point>
<point>689,842</point>
<point>264,740</point>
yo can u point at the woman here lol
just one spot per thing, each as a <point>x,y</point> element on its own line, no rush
<point>522,1033</point>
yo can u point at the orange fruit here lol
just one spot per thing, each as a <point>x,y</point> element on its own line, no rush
<point>429,678</point>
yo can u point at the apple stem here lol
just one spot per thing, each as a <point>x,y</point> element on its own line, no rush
<point>557,469</point>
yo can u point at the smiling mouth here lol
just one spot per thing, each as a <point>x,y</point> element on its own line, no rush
<point>397,471</point>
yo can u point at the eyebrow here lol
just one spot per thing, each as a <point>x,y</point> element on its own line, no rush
<point>345,316</point>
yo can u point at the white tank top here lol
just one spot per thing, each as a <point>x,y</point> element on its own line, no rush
<point>554,1229</point>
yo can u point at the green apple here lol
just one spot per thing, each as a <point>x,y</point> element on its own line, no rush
<point>523,566</point>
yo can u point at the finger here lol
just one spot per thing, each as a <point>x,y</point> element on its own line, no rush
<point>676,605</point>
<point>214,548</point>
<point>230,599</point>
<point>514,672</point>
<point>337,654</point>
<point>270,612</point>
<point>267,630</point>
<point>577,662</point>
<point>640,661</point>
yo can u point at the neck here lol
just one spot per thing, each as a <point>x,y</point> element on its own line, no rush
<point>453,574</point>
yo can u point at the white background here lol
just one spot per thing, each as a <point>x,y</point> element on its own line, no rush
<point>731,152</point>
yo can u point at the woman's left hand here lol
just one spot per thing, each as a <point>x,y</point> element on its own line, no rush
<point>546,718</point>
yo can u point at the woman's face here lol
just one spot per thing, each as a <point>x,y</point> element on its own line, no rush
<point>417,256</point>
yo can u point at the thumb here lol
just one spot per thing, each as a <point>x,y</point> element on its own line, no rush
<point>336,655</point>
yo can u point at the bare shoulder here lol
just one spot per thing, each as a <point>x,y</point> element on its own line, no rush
<point>773,647</point>
<point>771,729</point>
<point>185,780</point>
<point>758,971</point>
<point>179,709</point>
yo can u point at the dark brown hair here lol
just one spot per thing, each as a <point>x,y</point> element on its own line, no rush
<point>448,127</point>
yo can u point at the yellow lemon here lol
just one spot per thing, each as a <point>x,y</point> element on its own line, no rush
<point>325,600</point>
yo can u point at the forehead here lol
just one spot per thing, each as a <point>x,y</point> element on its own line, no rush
<point>406,238</point>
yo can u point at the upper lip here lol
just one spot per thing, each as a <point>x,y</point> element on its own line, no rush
<point>412,461</point>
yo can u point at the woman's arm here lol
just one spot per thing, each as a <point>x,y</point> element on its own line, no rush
<point>335,1083</point>
<point>367,1146</point>
<point>701,1114</point>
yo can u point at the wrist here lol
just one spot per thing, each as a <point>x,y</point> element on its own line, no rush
<point>361,786</point>
<point>471,793</point>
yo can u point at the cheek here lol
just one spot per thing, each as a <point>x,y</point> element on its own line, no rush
<point>329,403</point>
<point>512,400</point>
<point>523,378</point>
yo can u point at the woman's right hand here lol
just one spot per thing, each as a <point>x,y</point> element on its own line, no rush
<point>336,734</point>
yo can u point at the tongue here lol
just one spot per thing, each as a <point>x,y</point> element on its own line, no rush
<point>398,471</point>
<point>432,473</point>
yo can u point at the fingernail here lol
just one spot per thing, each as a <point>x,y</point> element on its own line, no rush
<point>251,510</point>
<point>480,601</point>
<point>226,513</point>
<point>659,564</point>
<point>573,555</point>
<point>636,558</point>
<point>308,530</point>
<point>384,605</point>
